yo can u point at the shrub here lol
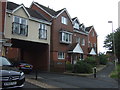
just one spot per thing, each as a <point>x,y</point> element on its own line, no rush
<point>82,67</point>
<point>91,60</point>
<point>69,66</point>
<point>102,59</point>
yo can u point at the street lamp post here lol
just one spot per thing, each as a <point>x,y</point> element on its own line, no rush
<point>113,43</point>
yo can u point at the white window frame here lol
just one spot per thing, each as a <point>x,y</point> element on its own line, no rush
<point>66,37</point>
<point>76,25</point>
<point>19,26</point>
<point>93,34</point>
<point>83,42</point>
<point>61,55</point>
<point>95,45</point>
<point>42,31</point>
<point>64,20</point>
<point>77,39</point>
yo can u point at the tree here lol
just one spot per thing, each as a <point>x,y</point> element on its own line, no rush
<point>108,43</point>
<point>117,43</point>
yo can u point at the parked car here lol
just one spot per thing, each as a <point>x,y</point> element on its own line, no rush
<point>10,76</point>
<point>24,66</point>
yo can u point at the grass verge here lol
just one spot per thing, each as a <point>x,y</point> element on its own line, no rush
<point>116,73</point>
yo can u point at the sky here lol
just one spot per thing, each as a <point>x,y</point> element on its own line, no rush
<point>89,12</point>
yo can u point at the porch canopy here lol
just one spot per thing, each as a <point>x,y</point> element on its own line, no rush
<point>92,52</point>
<point>75,48</point>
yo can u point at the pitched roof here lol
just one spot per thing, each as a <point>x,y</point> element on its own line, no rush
<point>88,28</point>
<point>75,48</point>
<point>36,14</point>
<point>33,13</point>
<point>51,11</point>
<point>11,5</point>
<point>74,18</point>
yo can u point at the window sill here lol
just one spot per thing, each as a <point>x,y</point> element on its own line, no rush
<point>65,42</point>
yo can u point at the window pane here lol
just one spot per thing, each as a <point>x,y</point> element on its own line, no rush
<point>64,20</point>
<point>43,31</point>
<point>16,27</point>
<point>16,19</point>
<point>61,55</point>
<point>23,21</point>
<point>23,29</point>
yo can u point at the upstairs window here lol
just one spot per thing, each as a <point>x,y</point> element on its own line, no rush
<point>83,42</point>
<point>20,26</point>
<point>76,26</point>
<point>65,37</point>
<point>43,31</point>
<point>61,55</point>
<point>78,40</point>
<point>93,34</point>
<point>64,20</point>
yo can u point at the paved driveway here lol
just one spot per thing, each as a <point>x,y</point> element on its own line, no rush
<point>68,81</point>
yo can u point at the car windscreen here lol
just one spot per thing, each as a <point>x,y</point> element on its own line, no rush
<point>4,61</point>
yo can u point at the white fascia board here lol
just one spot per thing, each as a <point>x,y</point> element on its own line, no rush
<point>77,20</point>
<point>94,30</point>
<point>65,10</point>
<point>60,13</point>
<point>9,11</point>
<point>21,6</point>
<point>80,32</point>
<point>40,20</point>
<point>43,10</point>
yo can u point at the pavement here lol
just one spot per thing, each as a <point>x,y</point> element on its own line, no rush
<point>103,72</point>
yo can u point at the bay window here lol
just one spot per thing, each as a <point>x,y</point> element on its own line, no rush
<point>65,37</point>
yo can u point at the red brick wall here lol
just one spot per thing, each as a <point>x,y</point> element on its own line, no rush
<point>84,48</point>
<point>12,53</point>
<point>56,46</point>
<point>41,11</point>
<point>93,39</point>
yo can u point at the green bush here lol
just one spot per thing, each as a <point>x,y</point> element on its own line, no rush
<point>69,66</point>
<point>91,60</point>
<point>103,59</point>
<point>82,67</point>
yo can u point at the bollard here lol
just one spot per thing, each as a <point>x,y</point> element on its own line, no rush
<point>36,74</point>
<point>94,71</point>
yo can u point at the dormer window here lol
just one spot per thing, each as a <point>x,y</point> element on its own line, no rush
<point>76,26</point>
<point>20,26</point>
<point>64,20</point>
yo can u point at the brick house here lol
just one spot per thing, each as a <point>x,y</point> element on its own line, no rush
<point>80,41</point>
<point>61,35</point>
<point>92,40</point>
<point>28,32</point>
<point>69,38</point>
